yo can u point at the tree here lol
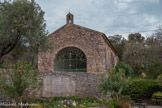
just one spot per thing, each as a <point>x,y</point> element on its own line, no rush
<point>21,25</point>
<point>136,37</point>
<point>16,80</point>
<point>155,44</point>
<point>135,50</point>
<point>118,42</point>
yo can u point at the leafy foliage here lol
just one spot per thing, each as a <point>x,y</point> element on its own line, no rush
<point>154,69</point>
<point>123,102</point>
<point>156,94</point>
<point>113,104</point>
<point>15,79</point>
<point>114,82</point>
<point>118,42</point>
<point>136,37</point>
<point>22,25</point>
<point>135,50</point>
<point>128,69</point>
<point>141,88</point>
<point>137,72</point>
<point>159,80</point>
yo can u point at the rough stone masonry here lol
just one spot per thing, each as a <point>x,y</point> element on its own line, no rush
<point>72,75</point>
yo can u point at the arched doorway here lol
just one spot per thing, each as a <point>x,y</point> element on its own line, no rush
<point>70,59</point>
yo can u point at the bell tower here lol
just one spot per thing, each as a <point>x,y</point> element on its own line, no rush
<point>69,18</point>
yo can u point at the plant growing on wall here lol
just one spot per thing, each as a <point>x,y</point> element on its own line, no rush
<point>19,80</point>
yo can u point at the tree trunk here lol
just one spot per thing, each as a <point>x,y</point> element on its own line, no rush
<point>8,48</point>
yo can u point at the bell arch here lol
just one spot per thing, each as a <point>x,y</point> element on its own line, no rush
<point>70,59</point>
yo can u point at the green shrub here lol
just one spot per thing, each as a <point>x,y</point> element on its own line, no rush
<point>159,80</point>
<point>147,77</point>
<point>113,104</point>
<point>128,69</point>
<point>16,79</point>
<point>154,70</point>
<point>137,72</point>
<point>114,82</point>
<point>154,97</point>
<point>157,94</point>
<point>141,88</point>
<point>123,102</point>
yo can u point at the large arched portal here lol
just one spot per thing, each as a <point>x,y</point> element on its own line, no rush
<point>70,59</point>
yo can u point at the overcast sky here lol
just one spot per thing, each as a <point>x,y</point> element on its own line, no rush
<point>108,16</point>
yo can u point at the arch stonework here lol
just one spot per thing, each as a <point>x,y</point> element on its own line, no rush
<point>95,54</point>
<point>72,48</point>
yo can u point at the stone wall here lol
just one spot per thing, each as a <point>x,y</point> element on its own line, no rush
<point>111,58</point>
<point>89,41</point>
<point>66,84</point>
<point>100,55</point>
<point>69,84</point>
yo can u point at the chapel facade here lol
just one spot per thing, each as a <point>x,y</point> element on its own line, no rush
<point>78,57</point>
<point>78,49</point>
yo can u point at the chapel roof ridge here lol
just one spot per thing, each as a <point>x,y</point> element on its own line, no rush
<point>101,33</point>
<point>70,22</point>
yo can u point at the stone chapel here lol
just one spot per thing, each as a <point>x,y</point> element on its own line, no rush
<point>74,65</point>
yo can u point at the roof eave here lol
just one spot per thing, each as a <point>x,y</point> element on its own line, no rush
<point>109,43</point>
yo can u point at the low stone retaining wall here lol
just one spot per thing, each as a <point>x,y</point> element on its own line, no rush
<point>67,84</point>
